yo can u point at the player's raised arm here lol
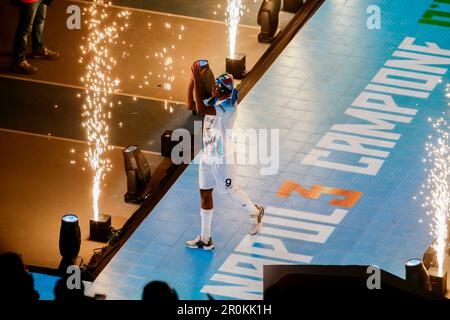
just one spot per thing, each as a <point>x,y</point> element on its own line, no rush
<point>202,109</point>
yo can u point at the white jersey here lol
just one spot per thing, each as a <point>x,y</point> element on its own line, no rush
<point>214,171</point>
<point>215,129</point>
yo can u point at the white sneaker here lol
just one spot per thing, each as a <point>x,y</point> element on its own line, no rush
<point>256,220</point>
<point>197,243</point>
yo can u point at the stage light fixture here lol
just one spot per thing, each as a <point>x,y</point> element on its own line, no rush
<point>417,275</point>
<point>268,20</point>
<point>69,238</point>
<point>138,175</point>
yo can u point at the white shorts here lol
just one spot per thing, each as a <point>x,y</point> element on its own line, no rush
<point>218,176</point>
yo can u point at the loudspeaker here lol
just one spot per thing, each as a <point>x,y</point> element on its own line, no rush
<point>167,144</point>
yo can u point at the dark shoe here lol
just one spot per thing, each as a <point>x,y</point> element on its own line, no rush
<point>25,68</point>
<point>45,54</point>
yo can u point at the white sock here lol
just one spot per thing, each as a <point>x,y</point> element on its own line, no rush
<point>241,196</point>
<point>206,216</point>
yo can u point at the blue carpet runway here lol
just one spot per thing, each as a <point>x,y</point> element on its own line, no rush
<point>353,123</point>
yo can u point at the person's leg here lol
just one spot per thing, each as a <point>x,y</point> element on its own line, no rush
<point>38,28</point>
<point>206,214</point>
<point>206,185</point>
<point>226,180</point>
<point>225,176</point>
<point>256,213</point>
<point>24,27</point>
<point>241,197</point>
<point>204,240</point>
<point>40,51</point>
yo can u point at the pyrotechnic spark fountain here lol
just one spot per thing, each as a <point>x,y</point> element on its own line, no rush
<point>437,185</point>
<point>233,15</point>
<point>99,85</point>
<point>166,58</point>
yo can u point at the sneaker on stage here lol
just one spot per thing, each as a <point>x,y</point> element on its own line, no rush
<point>197,243</point>
<point>256,221</point>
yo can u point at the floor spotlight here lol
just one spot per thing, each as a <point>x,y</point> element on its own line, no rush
<point>69,238</point>
<point>417,275</point>
<point>138,174</point>
<point>268,20</point>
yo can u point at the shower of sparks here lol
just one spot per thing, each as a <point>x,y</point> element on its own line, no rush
<point>437,186</point>
<point>99,85</point>
<point>233,15</point>
<point>163,60</point>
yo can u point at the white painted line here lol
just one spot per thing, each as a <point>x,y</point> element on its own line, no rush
<point>124,94</point>
<point>66,139</point>
<point>166,14</point>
